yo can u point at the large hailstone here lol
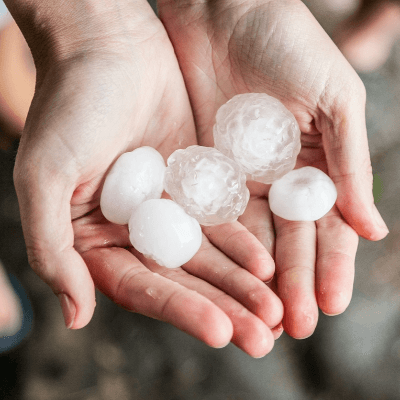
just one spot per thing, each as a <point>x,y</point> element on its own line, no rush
<point>208,185</point>
<point>260,134</point>
<point>304,194</point>
<point>161,230</point>
<point>135,177</point>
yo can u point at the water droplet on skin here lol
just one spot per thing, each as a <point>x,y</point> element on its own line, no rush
<point>152,293</point>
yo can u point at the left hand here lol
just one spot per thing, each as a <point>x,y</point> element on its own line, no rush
<point>101,93</point>
<point>277,47</point>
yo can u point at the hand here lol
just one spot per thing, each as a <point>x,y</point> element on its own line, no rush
<point>277,47</point>
<point>115,94</point>
<point>10,309</point>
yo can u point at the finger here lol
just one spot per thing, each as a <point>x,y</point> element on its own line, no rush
<point>10,307</point>
<point>277,331</point>
<point>258,220</point>
<point>295,270</point>
<point>94,231</point>
<point>46,221</point>
<point>123,278</point>
<point>243,247</point>
<point>337,246</point>
<point>212,266</point>
<point>346,146</point>
<point>250,334</point>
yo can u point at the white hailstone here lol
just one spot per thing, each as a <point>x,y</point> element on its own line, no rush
<point>304,194</point>
<point>161,230</point>
<point>135,177</point>
<point>208,185</point>
<point>260,134</point>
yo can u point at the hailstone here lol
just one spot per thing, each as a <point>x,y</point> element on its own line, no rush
<point>135,177</point>
<point>208,185</point>
<point>304,194</point>
<point>161,230</point>
<point>260,134</point>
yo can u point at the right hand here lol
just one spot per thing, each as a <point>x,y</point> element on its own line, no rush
<point>277,47</point>
<point>109,95</point>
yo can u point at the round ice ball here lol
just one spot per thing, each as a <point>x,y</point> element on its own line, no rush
<point>161,230</point>
<point>304,194</point>
<point>208,185</point>
<point>260,134</point>
<point>135,177</point>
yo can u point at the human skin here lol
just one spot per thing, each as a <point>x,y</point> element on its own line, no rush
<point>100,93</point>
<point>10,310</point>
<point>277,47</point>
<point>17,83</point>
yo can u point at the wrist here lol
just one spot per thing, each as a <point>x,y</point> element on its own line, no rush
<point>58,30</point>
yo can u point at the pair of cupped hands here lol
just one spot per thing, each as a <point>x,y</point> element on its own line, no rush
<point>137,80</point>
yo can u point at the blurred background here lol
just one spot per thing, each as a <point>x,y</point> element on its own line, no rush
<point>124,356</point>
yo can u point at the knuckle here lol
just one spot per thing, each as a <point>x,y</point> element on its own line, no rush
<point>230,275</point>
<point>167,304</point>
<point>40,262</point>
<point>236,237</point>
<point>296,229</point>
<point>127,281</point>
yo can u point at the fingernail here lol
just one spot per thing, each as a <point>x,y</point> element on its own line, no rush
<point>379,220</point>
<point>68,309</point>
<point>332,315</point>
<point>305,337</point>
<point>277,331</point>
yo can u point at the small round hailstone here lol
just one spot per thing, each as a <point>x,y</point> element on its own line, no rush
<point>304,194</point>
<point>161,230</point>
<point>260,134</point>
<point>135,177</point>
<point>208,185</point>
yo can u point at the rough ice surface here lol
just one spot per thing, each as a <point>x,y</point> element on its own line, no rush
<point>304,194</point>
<point>161,230</point>
<point>135,177</point>
<point>260,134</point>
<point>208,185</point>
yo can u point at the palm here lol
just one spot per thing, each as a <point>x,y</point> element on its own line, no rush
<point>138,100</point>
<point>224,50</point>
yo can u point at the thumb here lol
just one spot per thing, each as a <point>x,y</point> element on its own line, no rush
<point>44,200</point>
<point>349,165</point>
